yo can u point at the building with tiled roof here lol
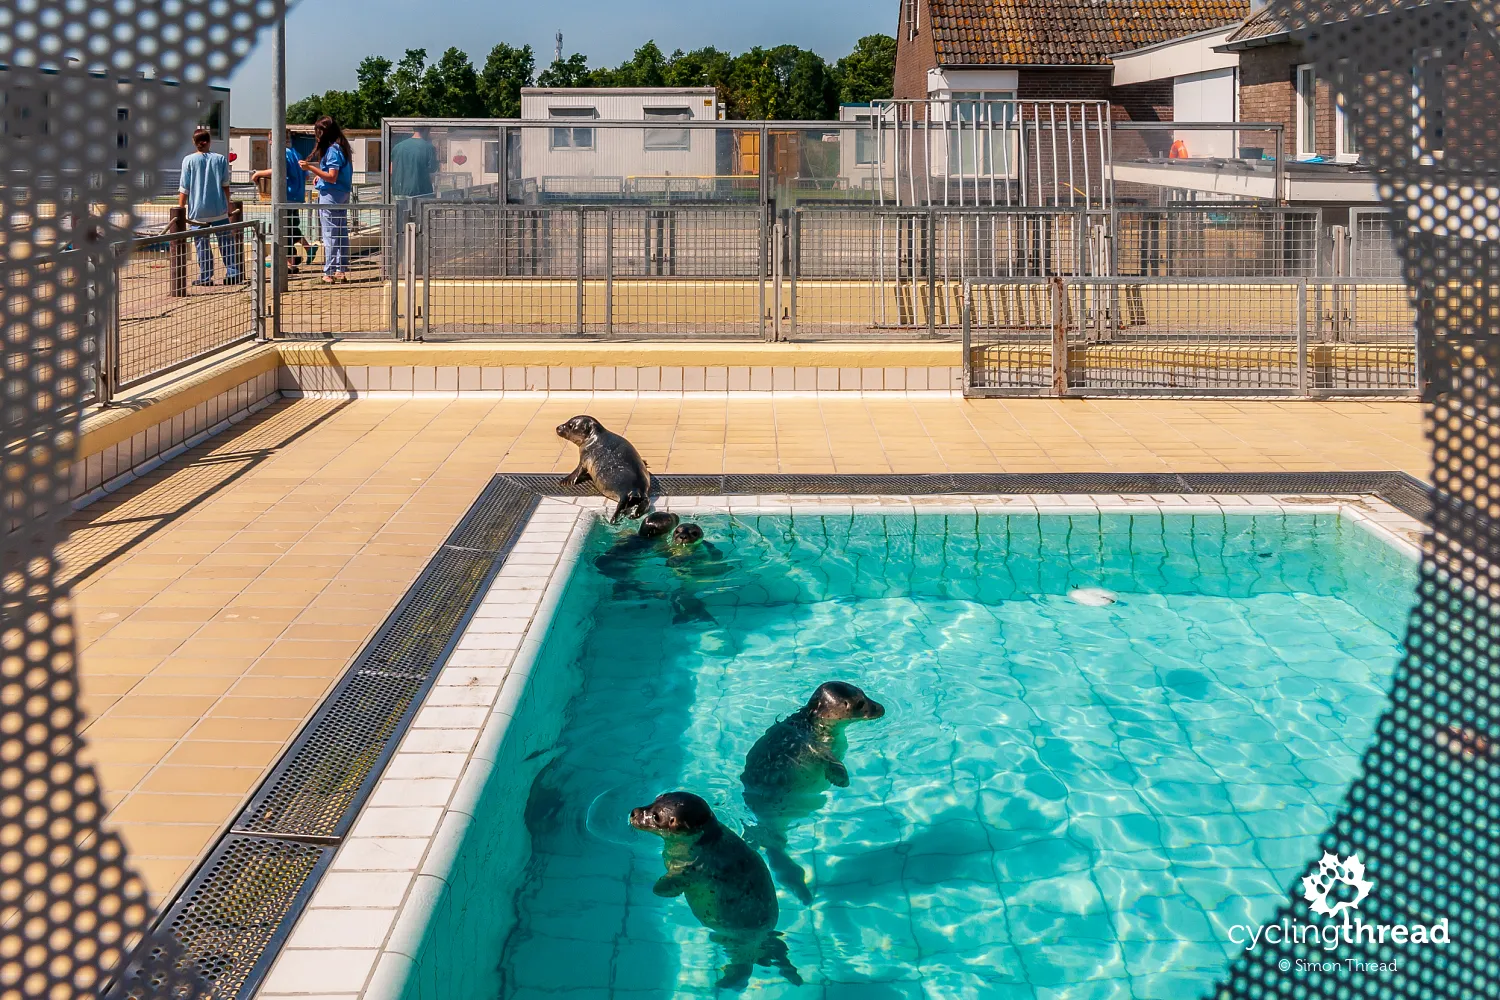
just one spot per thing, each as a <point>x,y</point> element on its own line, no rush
<point>1039,49</point>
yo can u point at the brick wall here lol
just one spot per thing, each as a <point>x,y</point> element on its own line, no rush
<point>915,56</point>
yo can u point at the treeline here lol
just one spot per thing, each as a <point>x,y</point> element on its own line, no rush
<point>784,82</point>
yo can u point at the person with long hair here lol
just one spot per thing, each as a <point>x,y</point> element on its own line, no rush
<point>331,163</point>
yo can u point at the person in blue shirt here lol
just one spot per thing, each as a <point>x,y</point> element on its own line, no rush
<point>296,194</point>
<point>331,163</point>
<point>203,191</point>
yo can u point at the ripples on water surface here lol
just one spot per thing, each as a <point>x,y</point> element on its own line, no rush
<point>1059,795</point>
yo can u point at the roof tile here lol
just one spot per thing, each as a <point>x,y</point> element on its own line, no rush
<point>1066,32</point>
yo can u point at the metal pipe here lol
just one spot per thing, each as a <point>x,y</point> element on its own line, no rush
<point>278,166</point>
<point>1068,124</point>
<point>1056,173</point>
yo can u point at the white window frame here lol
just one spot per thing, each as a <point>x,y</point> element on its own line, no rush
<point>1306,86</point>
<point>1346,149</point>
<point>571,137</point>
<point>866,142</point>
<point>968,155</point>
<point>657,140</point>
<point>913,18</point>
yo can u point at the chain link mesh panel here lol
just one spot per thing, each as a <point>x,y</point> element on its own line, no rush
<point>83,82</point>
<point>1414,843</point>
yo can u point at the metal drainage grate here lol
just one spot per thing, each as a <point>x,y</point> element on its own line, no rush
<point>227,924</point>
<point>225,928</point>
<point>222,933</point>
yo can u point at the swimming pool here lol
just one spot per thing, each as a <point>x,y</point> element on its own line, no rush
<point>1060,797</point>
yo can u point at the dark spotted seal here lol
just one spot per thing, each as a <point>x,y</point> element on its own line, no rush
<point>793,764</point>
<point>611,463</point>
<point>726,884</point>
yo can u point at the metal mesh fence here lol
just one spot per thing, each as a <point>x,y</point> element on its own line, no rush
<point>184,295</point>
<point>680,271</point>
<point>1373,251</point>
<point>341,271</point>
<point>1104,335</point>
<point>1222,241</point>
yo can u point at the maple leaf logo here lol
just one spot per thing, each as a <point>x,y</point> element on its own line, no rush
<point>1333,870</point>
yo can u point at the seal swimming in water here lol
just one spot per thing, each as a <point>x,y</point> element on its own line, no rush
<point>625,552</point>
<point>726,884</point>
<point>790,767</point>
<point>611,463</point>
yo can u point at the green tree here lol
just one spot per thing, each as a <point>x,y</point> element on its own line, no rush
<point>812,92</point>
<point>452,87</point>
<point>570,72</point>
<point>505,72</point>
<point>869,72</point>
<point>408,82</point>
<point>377,98</point>
<point>341,105</point>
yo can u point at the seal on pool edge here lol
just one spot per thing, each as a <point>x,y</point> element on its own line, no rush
<point>611,463</point>
<point>793,763</point>
<point>726,884</point>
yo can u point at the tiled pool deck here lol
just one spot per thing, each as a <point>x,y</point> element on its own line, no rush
<point>220,597</point>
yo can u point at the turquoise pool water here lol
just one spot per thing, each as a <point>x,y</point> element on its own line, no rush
<point>1061,799</point>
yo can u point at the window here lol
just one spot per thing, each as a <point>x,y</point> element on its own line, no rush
<point>1307,112</point>
<point>978,144</point>
<point>668,138</point>
<point>214,120</point>
<point>1429,98</point>
<point>492,157</point>
<point>1346,149</point>
<point>909,17</point>
<point>566,137</point>
<point>866,149</point>
<point>373,156</point>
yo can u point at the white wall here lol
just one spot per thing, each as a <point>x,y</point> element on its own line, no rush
<point>619,159</point>
<point>1206,97</point>
<point>1179,57</point>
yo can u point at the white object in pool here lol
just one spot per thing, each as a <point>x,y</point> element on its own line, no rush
<point>1094,597</point>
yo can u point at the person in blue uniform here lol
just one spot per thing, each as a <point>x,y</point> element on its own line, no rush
<point>332,165</point>
<point>203,191</point>
<point>296,194</point>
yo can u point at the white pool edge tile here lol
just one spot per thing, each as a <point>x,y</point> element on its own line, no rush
<point>476,730</point>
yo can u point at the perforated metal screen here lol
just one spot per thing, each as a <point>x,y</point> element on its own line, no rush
<point>1414,845</point>
<point>88,120</point>
<point>85,79</point>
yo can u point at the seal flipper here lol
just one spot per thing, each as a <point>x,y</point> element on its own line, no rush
<point>790,874</point>
<point>690,609</point>
<point>633,507</point>
<point>670,885</point>
<point>775,955</point>
<point>837,773</point>
<point>735,976</point>
<point>578,476</point>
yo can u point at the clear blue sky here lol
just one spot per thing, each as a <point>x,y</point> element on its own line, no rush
<point>326,39</point>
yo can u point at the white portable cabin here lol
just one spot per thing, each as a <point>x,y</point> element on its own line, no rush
<point>570,157</point>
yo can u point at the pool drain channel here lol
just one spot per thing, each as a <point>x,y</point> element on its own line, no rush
<point>228,923</point>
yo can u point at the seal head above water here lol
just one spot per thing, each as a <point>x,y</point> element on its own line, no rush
<point>726,884</point>
<point>793,764</point>
<point>611,463</point>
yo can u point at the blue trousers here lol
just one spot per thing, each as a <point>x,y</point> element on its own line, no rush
<point>335,234</point>
<point>229,251</point>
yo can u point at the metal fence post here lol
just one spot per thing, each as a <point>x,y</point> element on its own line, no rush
<point>967,321</point>
<point>582,258</point>
<point>1302,387</point>
<point>409,278</point>
<point>609,272</point>
<point>426,251</point>
<point>931,263</point>
<point>107,361</point>
<point>258,284</point>
<point>764,265</point>
<point>778,236</point>
<point>794,219</point>
<point>1059,337</point>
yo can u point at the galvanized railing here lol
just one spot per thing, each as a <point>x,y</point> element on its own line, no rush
<point>1146,335</point>
<point>1223,299</point>
<point>167,311</point>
